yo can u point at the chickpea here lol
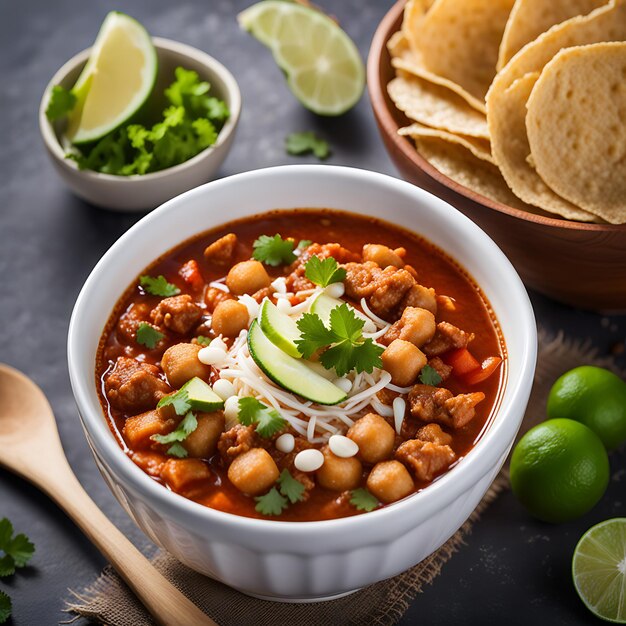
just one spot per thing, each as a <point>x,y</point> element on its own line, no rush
<point>247,277</point>
<point>229,318</point>
<point>417,326</point>
<point>202,442</point>
<point>253,472</point>
<point>403,361</point>
<point>180,364</point>
<point>374,436</point>
<point>390,481</point>
<point>339,474</point>
<point>381,255</point>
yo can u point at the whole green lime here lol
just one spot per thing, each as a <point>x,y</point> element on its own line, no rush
<point>595,397</point>
<point>559,470</point>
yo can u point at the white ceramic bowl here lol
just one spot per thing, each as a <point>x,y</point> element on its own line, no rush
<point>139,193</point>
<point>307,560</point>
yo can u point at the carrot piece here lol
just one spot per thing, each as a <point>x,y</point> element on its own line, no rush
<point>462,362</point>
<point>489,366</point>
<point>191,274</point>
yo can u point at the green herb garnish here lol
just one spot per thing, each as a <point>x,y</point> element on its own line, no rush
<point>273,250</point>
<point>324,272</point>
<point>304,243</point>
<point>179,400</point>
<point>60,104</point>
<point>147,335</point>
<point>271,503</point>
<point>189,125</point>
<point>307,143</point>
<point>203,341</point>
<point>430,376</point>
<point>363,500</point>
<point>291,488</point>
<point>188,424</point>
<point>17,549</point>
<point>347,349</point>
<point>5,607</point>
<point>268,421</point>
<point>158,286</point>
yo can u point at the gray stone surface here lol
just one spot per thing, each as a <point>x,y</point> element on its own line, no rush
<point>512,569</point>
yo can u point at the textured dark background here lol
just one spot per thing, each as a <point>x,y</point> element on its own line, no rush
<point>513,569</point>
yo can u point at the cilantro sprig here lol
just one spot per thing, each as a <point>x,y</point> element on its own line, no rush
<point>307,143</point>
<point>62,101</point>
<point>324,272</point>
<point>190,123</point>
<point>203,340</point>
<point>268,421</point>
<point>277,499</point>
<point>430,376</point>
<point>363,500</point>
<point>147,335</point>
<point>347,349</point>
<point>17,549</point>
<point>179,400</point>
<point>274,250</point>
<point>158,286</point>
<point>188,424</point>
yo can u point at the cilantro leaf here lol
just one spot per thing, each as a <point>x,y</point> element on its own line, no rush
<point>347,349</point>
<point>179,400</point>
<point>273,250</point>
<point>304,243</point>
<point>324,272</point>
<point>272,503</point>
<point>307,143</point>
<point>147,335</point>
<point>158,286</point>
<point>430,376</point>
<point>363,500</point>
<point>17,550</point>
<point>188,424</point>
<point>203,340</point>
<point>313,334</point>
<point>177,450</point>
<point>62,102</point>
<point>291,488</point>
<point>268,421</point>
<point>5,607</point>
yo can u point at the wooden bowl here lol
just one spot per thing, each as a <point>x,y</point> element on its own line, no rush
<point>583,265</point>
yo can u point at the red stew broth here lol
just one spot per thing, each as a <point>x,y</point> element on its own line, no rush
<point>435,269</point>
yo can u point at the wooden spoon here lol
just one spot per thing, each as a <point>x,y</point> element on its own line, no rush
<point>30,447</point>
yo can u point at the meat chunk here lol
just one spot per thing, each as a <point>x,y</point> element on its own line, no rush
<point>286,461</point>
<point>129,322</point>
<point>440,367</point>
<point>213,296</point>
<point>133,387</point>
<point>236,441</point>
<point>447,337</point>
<point>181,474</point>
<point>221,252</point>
<point>388,291</point>
<point>297,281</point>
<point>421,297</point>
<point>425,458</point>
<point>415,325</point>
<point>179,314</point>
<point>436,404</point>
<point>434,434</point>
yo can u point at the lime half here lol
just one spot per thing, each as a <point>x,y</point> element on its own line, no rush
<point>116,80</point>
<point>323,66</point>
<point>599,570</point>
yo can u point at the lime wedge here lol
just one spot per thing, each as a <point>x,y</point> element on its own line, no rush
<point>599,570</point>
<point>323,66</point>
<point>116,81</point>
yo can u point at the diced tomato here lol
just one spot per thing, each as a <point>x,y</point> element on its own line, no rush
<point>191,274</point>
<point>462,361</point>
<point>489,366</point>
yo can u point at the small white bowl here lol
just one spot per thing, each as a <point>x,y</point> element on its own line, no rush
<point>304,561</point>
<point>140,193</point>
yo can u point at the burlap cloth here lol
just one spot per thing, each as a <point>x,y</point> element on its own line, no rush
<point>109,601</point>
